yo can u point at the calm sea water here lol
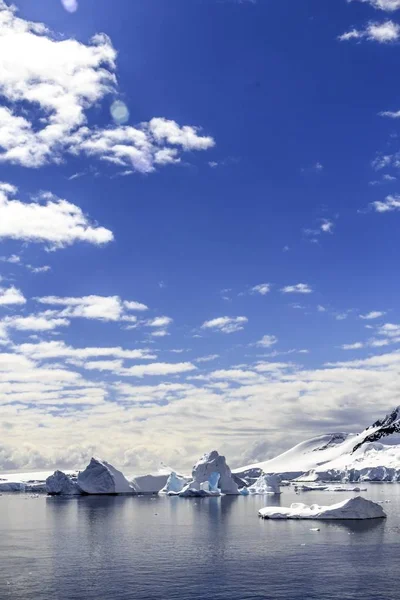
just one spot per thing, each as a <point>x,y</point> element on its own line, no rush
<point>123,548</point>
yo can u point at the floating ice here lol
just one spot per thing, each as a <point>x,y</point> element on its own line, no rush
<point>175,484</point>
<point>212,471</point>
<point>353,508</point>
<point>265,484</point>
<point>151,483</point>
<point>60,484</point>
<point>100,477</point>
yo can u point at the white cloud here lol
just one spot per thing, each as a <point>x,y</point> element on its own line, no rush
<point>382,33</point>
<point>160,333</point>
<point>375,314</point>
<point>355,346</point>
<point>267,341</point>
<point>321,308</point>
<point>327,226</point>
<point>205,359</point>
<point>40,322</point>
<point>390,204</point>
<point>158,369</point>
<point>262,288</point>
<point>299,288</point>
<point>132,305</point>
<point>61,79</point>
<point>58,349</point>
<point>104,308</point>
<point>13,259</point>
<point>70,5</point>
<point>386,5</point>
<point>226,324</point>
<point>159,322</point>
<point>43,269</point>
<point>11,295</point>
<point>49,220</point>
<point>390,114</point>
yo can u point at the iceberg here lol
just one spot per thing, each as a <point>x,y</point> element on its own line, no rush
<point>100,477</point>
<point>354,508</point>
<point>59,484</point>
<point>211,476</point>
<point>265,484</point>
<point>174,485</point>
<point>151,483</point>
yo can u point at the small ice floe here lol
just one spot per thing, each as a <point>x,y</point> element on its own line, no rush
<point>354,508</point>
<point>339,488</point>
<point>310,488</point>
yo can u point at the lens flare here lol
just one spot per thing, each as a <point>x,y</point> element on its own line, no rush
<point>70,5</point>
<point>119,112</point>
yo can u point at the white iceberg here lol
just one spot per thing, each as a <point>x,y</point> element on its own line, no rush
<point>211,476</point>
<point>174,484</point>
<point>353,508</point>
<point>265,484</point>
<point>100,477</point>
<point>310,488</point>
<point>151,483</point>
<point>60,484</point>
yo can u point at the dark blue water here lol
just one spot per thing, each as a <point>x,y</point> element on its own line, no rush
<point>165,548</point>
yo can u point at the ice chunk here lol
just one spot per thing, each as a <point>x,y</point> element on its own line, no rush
<point>206,470</point>
<point>151,483</point>
<point>353,508</point>
<point>175,484</point>
<point>265,484</point>
<point>60,484</point>
<point>100,477</point>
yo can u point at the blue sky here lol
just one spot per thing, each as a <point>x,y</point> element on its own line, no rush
<point>243,201</point>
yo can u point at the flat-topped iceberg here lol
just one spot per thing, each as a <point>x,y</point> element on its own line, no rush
<point>100,477</point>
<point>211,476</point>
<point>151,483</point>
<point>60,484</point>
<point>354,508</point>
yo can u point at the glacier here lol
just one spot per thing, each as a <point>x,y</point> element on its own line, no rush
<point>372,455</point>
<point>352,509</point>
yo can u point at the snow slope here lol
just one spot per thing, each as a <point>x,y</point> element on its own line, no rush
<point>354,508</point>
<point>367,456</point>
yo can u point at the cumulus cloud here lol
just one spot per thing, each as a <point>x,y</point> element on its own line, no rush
<point>390,204</point>
<point>386,5</point>
<point>262,288</point>
<point>299,288</point>
<point>104,308</point>
<point>48,219</point>
<point>59,80</point>
<point>11,295</point>
<point>383,33</point>
<point>226,324</point>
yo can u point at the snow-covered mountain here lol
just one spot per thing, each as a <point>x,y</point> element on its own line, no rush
<point>372,455</point>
